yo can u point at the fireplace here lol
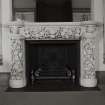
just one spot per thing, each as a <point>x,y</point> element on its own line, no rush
<point>62,52</point>
<point>52,60</point>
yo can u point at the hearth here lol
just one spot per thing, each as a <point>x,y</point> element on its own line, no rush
<point>52,63</point>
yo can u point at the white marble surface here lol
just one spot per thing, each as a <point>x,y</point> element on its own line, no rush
<point>85,31</point>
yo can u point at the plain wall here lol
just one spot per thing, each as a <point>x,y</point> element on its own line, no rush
<point>31,3</point>
<point>0,33</point>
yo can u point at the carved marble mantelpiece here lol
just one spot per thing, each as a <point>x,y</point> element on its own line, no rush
<point>86,32</point>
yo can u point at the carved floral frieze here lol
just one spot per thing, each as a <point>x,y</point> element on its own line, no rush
<point>50,33</point>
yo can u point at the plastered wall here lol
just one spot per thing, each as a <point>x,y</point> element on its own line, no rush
<point>0,35</point>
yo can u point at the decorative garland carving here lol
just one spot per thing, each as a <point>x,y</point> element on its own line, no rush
<point>49,32</point>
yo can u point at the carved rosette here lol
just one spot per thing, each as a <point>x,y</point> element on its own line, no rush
<point>84,32</point>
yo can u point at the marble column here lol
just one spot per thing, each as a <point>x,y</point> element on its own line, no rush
<point>17,78</point>
<point>89,56</point>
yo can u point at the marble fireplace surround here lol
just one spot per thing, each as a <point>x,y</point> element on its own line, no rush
<point>86,32</point>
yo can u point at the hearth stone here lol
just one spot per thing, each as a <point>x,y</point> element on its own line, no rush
<point>86,32</point>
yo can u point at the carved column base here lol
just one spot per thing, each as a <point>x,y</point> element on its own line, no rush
<point>17,83</point>
<point>88,82</point>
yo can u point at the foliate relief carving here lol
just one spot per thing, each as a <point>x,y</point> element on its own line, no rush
<point>17,53</point>
<point>51,32</point>
<point>88,57</point>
